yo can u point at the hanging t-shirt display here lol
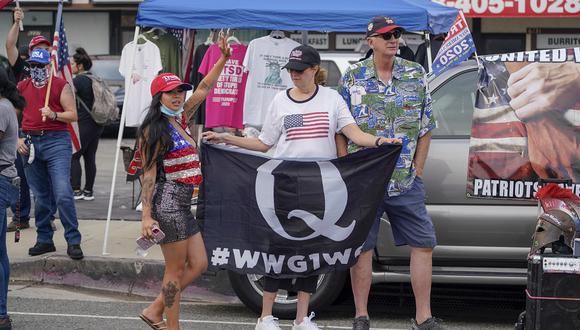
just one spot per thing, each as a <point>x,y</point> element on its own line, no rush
<point>264,59</point>
<point>146,66</point>
<point>224,104</point>
<point>196,78</point>
<point>169,49</point>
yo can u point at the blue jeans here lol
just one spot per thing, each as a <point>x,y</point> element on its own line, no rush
<point>24,193</point>
<point>8,194</point>
<point>49,177</point>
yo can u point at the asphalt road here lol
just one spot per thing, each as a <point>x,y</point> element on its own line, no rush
<point>45,307</point>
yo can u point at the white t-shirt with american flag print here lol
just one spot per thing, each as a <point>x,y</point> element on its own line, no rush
<point>305,129</point>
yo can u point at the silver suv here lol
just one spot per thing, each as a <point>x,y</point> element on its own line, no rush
<point>480,241</point>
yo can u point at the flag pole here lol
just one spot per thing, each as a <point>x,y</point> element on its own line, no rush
<point>46,97</point>
<point>429,57</point>
<point>20,23</point>
<point>119,139</point>
<point>475,52</point>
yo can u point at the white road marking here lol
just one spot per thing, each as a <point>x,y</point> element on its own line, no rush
<point>131,318</point>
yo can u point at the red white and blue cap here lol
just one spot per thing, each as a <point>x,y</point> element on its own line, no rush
<point>166,82</point>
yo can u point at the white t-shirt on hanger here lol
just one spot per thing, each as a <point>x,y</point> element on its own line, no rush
<point>264,59</point>
<point>306,129</point>
<point>146,66</point>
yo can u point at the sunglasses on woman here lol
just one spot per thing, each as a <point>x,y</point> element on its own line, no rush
<point>389,35</point>
<point>297,71</point>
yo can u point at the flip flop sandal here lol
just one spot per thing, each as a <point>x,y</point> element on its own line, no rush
<point>155,326</point>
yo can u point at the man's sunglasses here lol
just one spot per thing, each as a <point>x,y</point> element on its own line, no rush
<point>389,35</point>
<point>37,65</point>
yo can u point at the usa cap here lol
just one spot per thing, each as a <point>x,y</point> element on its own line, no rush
<point>39,55</point>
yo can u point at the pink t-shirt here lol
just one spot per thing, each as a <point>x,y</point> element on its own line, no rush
<point>224,104</point>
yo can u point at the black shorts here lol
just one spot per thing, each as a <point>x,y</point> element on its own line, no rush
<point>305,284</point>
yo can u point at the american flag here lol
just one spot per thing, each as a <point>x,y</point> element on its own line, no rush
<point>312,125</point>
<point>62,69</point>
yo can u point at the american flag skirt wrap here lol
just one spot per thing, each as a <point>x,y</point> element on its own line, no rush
<point>172,209</point>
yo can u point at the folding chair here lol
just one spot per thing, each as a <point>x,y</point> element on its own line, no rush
<point>133,172</point>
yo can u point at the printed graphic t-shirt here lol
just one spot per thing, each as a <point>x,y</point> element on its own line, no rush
<point>138,80</point>
<point>264,59</point>
<point>225,102</point>
<point>306,129</point>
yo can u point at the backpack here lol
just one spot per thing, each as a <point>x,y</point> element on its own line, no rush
<point>104,109</point>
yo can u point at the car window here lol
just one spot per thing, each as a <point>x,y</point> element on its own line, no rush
<point>453,103</point>
<point>333,72</point>
<point>108,70</point>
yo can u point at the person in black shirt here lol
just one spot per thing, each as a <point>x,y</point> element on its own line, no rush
<point>421,55</point>
<point>18,65</point>
<point>89,130</point>
<point>19,70</point>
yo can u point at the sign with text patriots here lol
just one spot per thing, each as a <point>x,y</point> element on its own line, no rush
<point>526,124</point>
<point>285,218</point>
<point>456,48</point>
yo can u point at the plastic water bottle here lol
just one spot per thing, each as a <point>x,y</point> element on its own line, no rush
<point>143,243</point>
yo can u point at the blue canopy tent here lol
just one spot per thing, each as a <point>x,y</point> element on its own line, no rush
<point>297,15</point>
<point>308,15</point>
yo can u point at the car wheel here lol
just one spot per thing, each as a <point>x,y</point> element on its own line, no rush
<point>249,288</point>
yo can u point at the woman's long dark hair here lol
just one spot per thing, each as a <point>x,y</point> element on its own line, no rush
<point>153,135</point>
<point>81,57</point>
<point>9,91</point>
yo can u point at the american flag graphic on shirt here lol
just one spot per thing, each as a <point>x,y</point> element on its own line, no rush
<point>312,125</point>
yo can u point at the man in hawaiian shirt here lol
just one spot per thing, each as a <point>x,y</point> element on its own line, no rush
<point>388,96</point>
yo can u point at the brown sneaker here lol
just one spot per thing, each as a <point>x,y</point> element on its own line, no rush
<point>22,225</point>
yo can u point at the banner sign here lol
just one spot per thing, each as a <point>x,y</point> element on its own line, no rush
<point>318,41</point>
<point>456,48</point>
<point>515,8</point>
<point>349,41</point>
<point>557,40</point>
<point>526,124</point>
<point>285,218</point>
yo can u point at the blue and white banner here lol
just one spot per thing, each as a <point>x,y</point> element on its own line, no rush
<point>285,218</point>
<point>456,48</point>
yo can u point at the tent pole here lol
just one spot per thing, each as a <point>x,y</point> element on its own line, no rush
<point>119,138</point>
<point>429,57</point>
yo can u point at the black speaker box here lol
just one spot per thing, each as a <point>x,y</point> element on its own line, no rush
<point>553,293</point>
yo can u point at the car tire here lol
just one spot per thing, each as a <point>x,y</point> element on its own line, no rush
<point>249,289</point>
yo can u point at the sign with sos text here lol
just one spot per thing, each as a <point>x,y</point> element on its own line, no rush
<point>515,8</point>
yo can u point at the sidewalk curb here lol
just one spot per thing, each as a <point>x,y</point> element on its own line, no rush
<point>120,275</point>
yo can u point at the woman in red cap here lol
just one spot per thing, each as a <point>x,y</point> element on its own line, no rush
<point>171,170</point>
